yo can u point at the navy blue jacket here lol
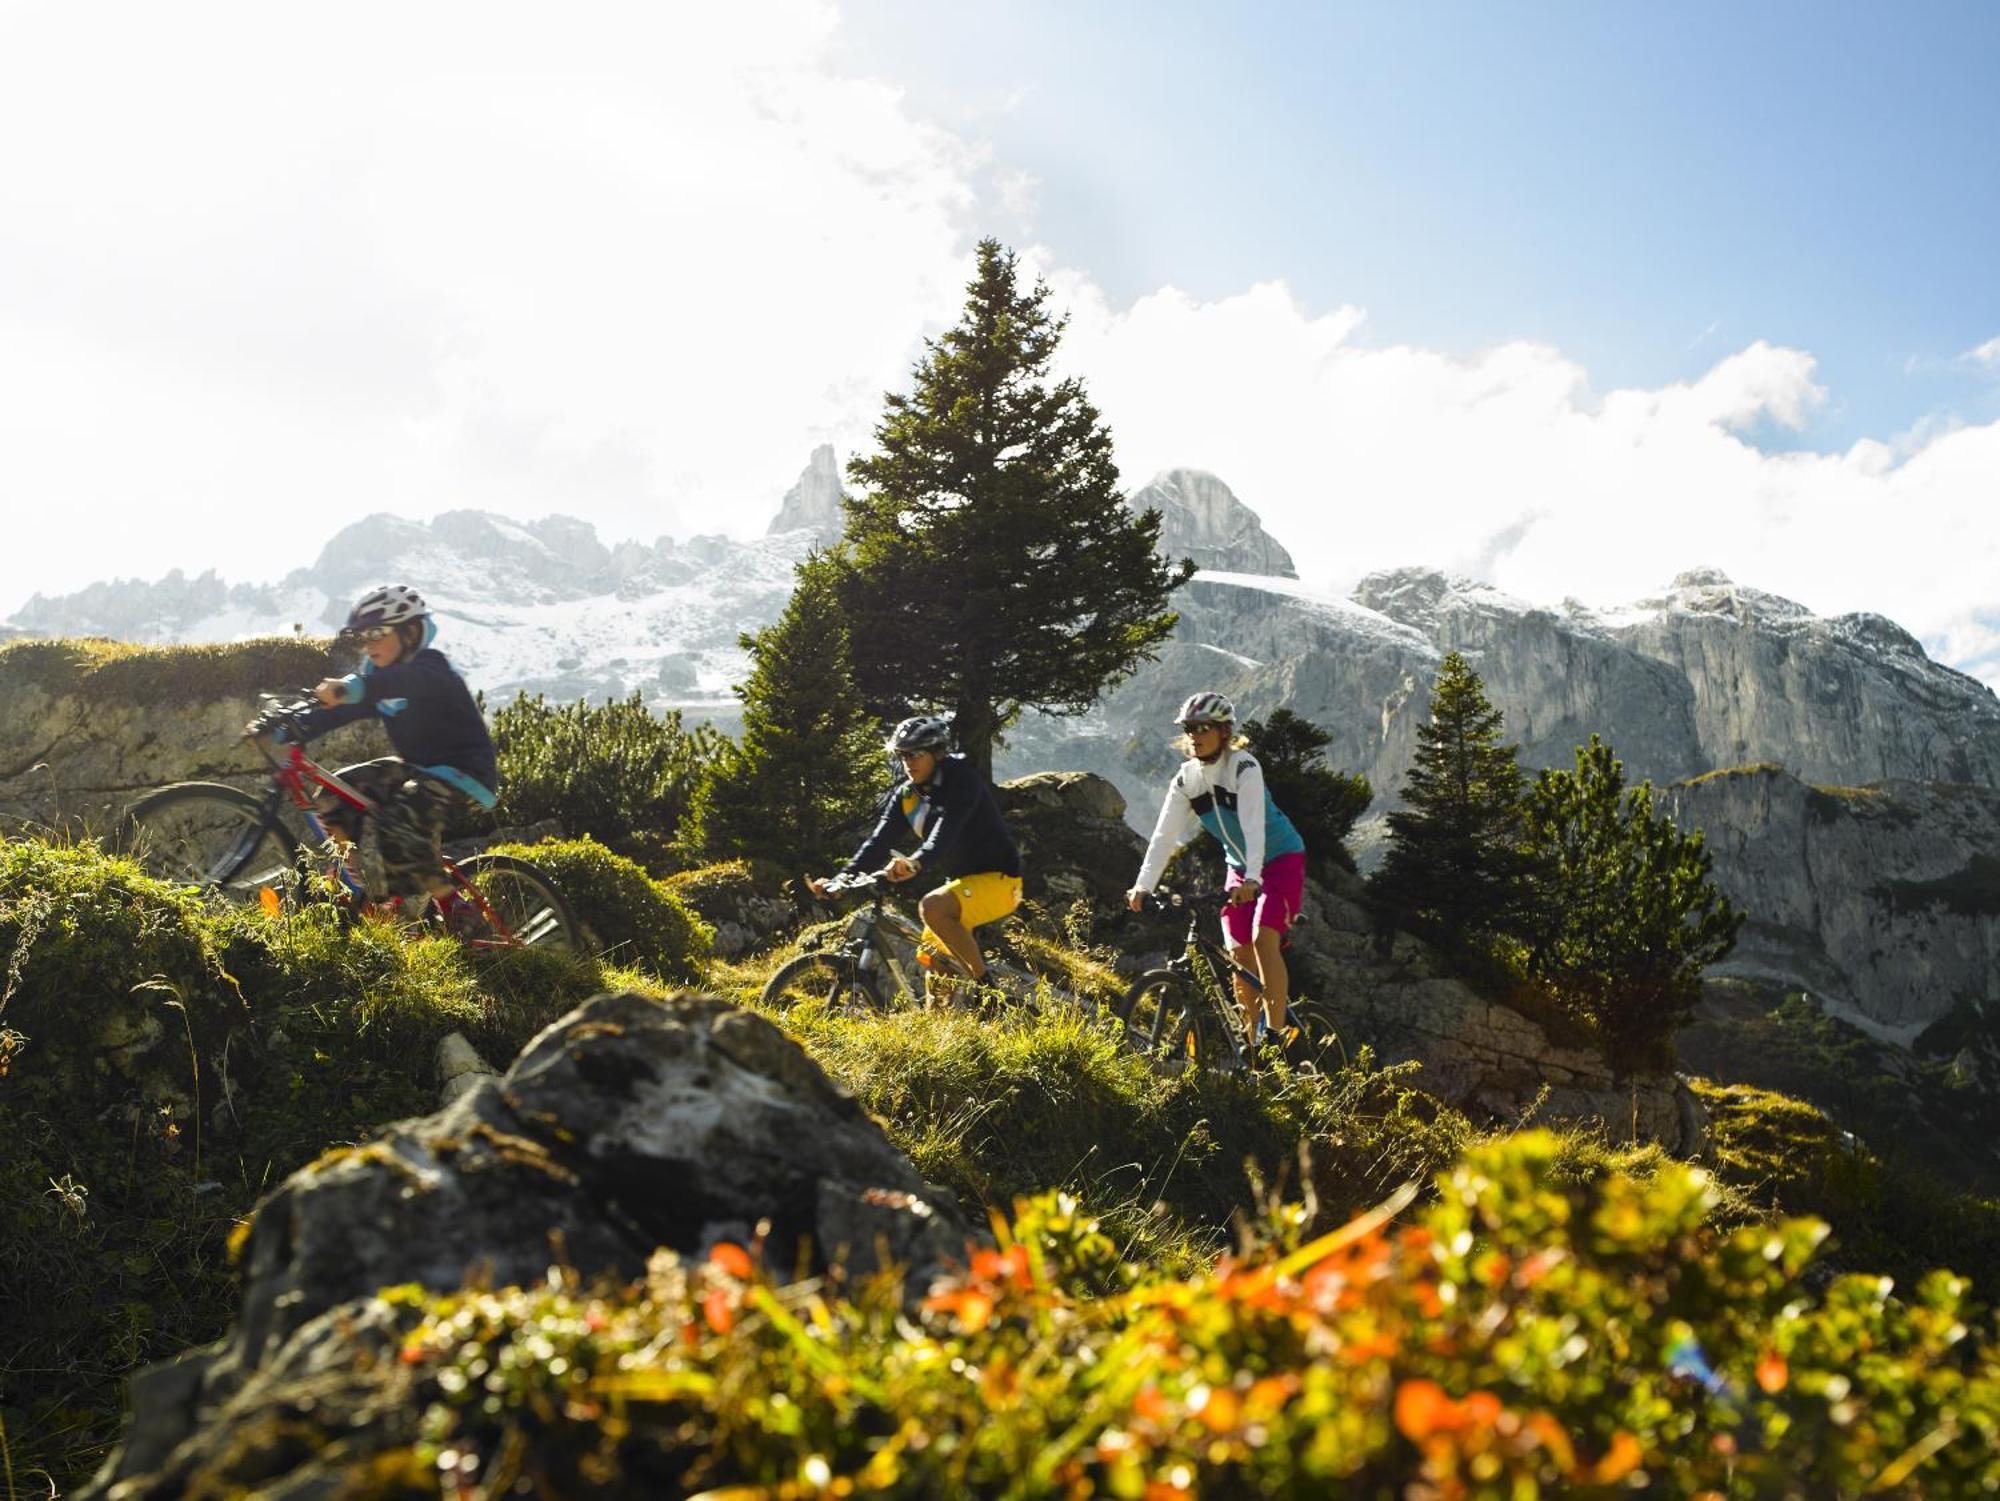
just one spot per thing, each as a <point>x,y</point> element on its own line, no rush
<point>430,715</point>
<point>959,819</point>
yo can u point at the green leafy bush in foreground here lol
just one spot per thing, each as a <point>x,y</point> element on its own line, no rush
<point>634,918</point>
<point>1524,1336</point>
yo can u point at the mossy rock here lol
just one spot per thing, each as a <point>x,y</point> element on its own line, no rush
<point>632,918</point>
<point>166,676</point>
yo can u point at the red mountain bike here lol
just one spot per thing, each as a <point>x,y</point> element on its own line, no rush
<point>246,848</point>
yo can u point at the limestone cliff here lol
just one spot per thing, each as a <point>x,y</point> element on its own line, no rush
<point>1883,899</point>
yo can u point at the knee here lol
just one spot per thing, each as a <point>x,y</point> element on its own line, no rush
<point>938,906</point>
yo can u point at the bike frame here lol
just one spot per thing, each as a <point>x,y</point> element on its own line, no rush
<point>292,774</point>
<point>1207,966</point>
<point>858,947</point>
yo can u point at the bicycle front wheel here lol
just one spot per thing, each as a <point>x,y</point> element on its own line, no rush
<point>209,835</point>
<point>527,909</point>
<point>1160,1017</point>
<point>828,980</point>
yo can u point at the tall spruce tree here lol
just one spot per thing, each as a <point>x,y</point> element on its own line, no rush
<point>1455,866</point>
<point>809,765</point>
<point>990,564</point>
<point>1625,915</point>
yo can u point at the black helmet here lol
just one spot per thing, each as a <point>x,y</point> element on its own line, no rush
<point>922,732</point>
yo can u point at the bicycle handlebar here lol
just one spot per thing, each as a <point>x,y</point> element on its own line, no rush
<point>1180,901</point>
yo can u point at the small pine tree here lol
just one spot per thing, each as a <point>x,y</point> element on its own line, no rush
<point>810,762</point>
<point>1321,802</point>
<point>991,564</point>
<point>1624,915</point>
<point>1454,866</point>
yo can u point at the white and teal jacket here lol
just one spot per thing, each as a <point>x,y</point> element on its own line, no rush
<point>1226,797</point>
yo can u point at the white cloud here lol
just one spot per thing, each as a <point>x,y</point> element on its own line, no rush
<point>1987,354</point>
<point>260,273</point>
<point>1506,463</point>
<point>631,265</point>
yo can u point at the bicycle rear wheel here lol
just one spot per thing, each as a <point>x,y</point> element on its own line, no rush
<point>213,836</point>
<point>530,909</point>
<point>1159,1016</point>
<point>829,980</point>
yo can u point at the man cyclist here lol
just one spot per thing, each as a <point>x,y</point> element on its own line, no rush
<point>944,801</point>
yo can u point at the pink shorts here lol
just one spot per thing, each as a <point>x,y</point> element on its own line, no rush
<point>1277,904</point>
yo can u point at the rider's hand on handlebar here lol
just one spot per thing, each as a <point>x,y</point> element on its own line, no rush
<point>330,691</point>
<point>1136,898</point>
<point>900,868</point>
<point>817,886</point>
<point>1245,893</point>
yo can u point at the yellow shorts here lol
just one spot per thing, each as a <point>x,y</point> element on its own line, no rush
<point>982,898</point>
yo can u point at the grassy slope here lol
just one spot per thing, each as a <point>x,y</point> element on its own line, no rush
<point>277,1039</point>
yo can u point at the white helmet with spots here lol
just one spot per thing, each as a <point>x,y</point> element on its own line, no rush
<point>392,604</point>
<point>1206,708</point>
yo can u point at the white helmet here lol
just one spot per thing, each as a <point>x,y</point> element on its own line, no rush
<point>1206,708</point>
<point>392,604</point>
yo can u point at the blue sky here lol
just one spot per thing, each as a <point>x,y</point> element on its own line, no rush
<point>1641,186</point>
<point>1570,297</point>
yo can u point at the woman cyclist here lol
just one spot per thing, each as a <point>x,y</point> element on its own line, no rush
<point>1220,789</point>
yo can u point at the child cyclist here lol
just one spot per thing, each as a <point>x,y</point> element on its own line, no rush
<point>944,801</point>
<point>444,755</point>
<point>1220,788</point>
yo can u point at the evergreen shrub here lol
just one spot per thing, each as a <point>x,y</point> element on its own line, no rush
<point>1321,802</point>
<point>634,919</point>
<point>613,771</point>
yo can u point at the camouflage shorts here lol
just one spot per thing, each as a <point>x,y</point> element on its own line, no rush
<point>411,810</point>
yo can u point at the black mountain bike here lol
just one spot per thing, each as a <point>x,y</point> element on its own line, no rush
<point>867,972</point>
<point>1185,1013</point>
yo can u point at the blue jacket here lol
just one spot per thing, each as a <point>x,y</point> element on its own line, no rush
<point>430,715</point>
<point>958,819</point>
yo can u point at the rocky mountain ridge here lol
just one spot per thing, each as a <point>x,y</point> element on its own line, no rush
<point>1706,675</point>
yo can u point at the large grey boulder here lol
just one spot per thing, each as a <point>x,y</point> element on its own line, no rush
<point>629,1125</point>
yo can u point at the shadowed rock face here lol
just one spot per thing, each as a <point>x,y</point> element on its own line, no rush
<point>1883,897</point>
<point>629,1125</point>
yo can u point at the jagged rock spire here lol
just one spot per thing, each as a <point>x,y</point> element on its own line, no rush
<point>813,504</point>
<point>1201,518</point>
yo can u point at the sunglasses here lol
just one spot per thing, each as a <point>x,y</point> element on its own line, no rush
<point>910,755</point>
<point>1197,726</point>
<point>368,633</point>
